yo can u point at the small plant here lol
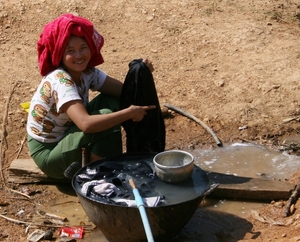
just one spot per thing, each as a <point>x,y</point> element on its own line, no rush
<point>212,9</point>
<point>276,16</point>
<point>209,11</point>
<point>14,19</point>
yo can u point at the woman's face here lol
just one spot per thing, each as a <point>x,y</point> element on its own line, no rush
<point>77,55</point>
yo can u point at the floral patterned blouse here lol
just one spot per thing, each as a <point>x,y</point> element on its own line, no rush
<point>46,122</point>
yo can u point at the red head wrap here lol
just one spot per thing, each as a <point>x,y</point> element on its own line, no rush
<point>56,34</point>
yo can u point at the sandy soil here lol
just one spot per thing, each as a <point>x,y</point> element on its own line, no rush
<point>232,64</point>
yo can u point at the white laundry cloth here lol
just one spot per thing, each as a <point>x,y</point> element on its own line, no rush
<point>100,187</point>
<point>148,201</point>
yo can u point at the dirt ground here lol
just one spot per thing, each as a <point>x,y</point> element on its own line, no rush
<point>232,64</point>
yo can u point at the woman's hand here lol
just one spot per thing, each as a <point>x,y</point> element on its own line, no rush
<point>138,112</point>
<point>149,64</point>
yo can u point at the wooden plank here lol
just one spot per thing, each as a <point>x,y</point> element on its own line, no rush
<point>24,171</point>
<point>237,187</point>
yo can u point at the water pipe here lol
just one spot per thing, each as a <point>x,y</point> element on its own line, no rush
<point>140,205</point>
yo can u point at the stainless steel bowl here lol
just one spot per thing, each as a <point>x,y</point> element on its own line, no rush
<point>173,165</point>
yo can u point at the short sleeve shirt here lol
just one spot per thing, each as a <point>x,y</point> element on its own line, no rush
<point>46,122</point>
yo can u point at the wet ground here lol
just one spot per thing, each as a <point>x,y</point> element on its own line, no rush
<point>209,223</point>
<point>248,160</point>
<point>215,219</point>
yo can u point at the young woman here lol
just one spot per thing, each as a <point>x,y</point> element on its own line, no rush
<point>61,119</point>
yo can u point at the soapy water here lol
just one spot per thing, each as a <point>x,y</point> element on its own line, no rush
<point>141,170</point>
<point>248,160</point>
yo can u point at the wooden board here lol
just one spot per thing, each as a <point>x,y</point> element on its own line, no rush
<point>24,171</point>
<point>238,187</point>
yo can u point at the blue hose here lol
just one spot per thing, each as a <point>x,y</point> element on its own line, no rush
<point>140,205</point>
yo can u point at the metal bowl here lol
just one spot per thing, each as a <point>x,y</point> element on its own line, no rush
<point>174,165</point>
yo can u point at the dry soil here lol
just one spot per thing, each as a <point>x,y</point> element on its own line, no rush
<point>232,64</point>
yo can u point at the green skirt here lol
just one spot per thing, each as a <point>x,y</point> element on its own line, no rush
<point>54,158</point>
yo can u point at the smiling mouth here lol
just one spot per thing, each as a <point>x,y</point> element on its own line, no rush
<point>79,62</point>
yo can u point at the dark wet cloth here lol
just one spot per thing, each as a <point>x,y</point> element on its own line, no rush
<point>115,175</point>
<point>139,89</point>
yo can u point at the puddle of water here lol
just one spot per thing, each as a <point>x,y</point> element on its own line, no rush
<point>214,216</point>
<point>247,160</point>
<point>238,208</point>
<point>70,208</point>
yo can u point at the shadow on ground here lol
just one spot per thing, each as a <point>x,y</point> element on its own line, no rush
<point>207,225</point>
